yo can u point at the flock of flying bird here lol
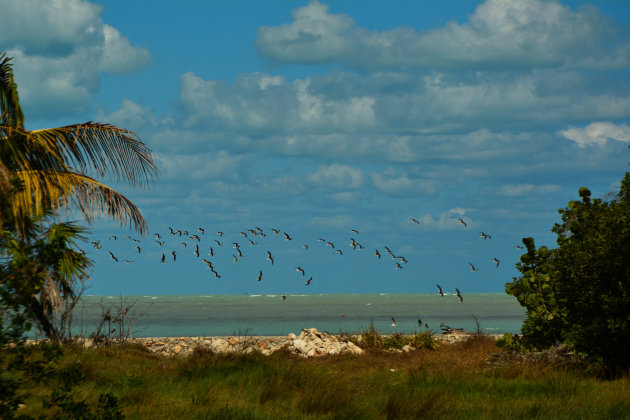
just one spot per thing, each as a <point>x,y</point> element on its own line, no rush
<point>252,236</point>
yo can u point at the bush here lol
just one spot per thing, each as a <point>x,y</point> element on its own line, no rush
<point>579,292</point>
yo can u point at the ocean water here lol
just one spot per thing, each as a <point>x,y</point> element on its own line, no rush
<point>222,315</point>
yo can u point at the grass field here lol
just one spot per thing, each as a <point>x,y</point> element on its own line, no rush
<point>451,382</point>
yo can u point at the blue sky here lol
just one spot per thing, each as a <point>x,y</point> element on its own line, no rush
<point>318,117</point>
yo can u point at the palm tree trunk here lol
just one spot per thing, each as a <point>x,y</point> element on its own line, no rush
<point>38,311</point>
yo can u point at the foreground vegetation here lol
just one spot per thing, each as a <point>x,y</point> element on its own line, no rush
<point>454,381</point>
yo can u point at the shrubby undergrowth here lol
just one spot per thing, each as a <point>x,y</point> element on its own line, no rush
<point>579,292</point>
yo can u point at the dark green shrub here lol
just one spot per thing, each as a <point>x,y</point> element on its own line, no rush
<point>579,292</point>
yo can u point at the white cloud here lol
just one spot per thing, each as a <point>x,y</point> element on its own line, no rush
<point>337,176</point>
<point>448,220</point>
<point>313,36</point>
<point>528,189</point>
<point>59,47</point>
<point>392,184</point>
<point>597,133</point>
<point>513,34</point>
<point>132,116</point>
<point>205,167</point>
<point>392,117</point>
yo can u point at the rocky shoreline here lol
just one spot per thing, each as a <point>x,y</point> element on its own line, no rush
<point>309,343</point>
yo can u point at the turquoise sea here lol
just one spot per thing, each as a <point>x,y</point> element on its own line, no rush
<point>221,315</point>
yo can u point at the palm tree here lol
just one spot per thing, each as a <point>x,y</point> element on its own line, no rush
<point>45,172</point>
<point>40,269</point>
<point>54,168</point>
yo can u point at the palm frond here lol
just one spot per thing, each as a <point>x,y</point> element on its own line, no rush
<point>39,190</point>
<point>11,112</point>
<point>104,148</point>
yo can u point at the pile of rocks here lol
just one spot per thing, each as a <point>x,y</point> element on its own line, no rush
<point>311,343</point>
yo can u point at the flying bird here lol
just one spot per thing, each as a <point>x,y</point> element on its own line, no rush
<point>138,248</point>
<point>218,243</point>
<point>413,219</point>
<point>287,237</point>
<point>472,267</point>
<point>485,236</point>
<point>276,231</point>
<point>496,261</point>
<point>300,269</point>
<point>269,257</point>
<point>211,253</point>
<point>163,258</point>
<point>113,237</point>
<point>354,231</point>
<point>196,252</point>
<point>202,230</point>
<point>440,290</point>
<point>459,295</point>
<point>112,256</point>
<point>420,324</point>
<point>220,233</point>
<point>309,280</point>
<point>393,322</point>
<point>260,275</point>
<point>378,254</point>
<point>338,251</point>
<point>462,222</point>
<point>174,254</point>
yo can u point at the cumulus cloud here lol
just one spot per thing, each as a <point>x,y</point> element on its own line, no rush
<point>337,176</point>
<point>390,183</point>
<point>392,116</point>
<point>59,47</point>
<point>133,117</point>
<point>597,133</point>
<point>447,220</point>
<point>255,102</point>
<point>513,34</point>
<point>199,166</point>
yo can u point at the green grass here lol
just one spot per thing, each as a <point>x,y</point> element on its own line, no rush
<point>451,382</point>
